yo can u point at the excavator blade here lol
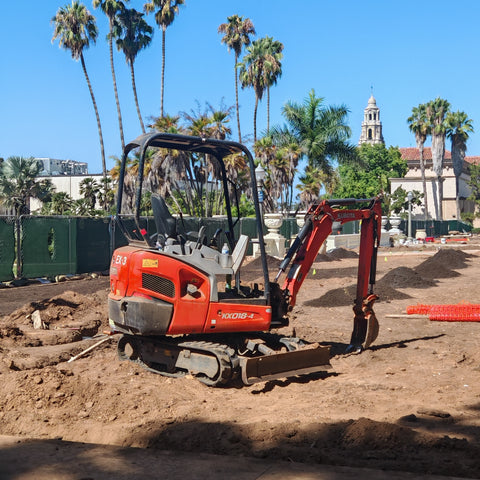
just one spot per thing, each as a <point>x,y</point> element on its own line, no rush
<point>309,359</point>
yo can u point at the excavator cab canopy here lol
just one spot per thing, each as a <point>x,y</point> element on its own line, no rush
<point>180,150</point>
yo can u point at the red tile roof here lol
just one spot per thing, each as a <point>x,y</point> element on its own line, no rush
<point>475,160</point>
<point>412,153</point>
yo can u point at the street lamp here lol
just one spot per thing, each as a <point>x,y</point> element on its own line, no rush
<point>260,177</point>
<point>409,198</point>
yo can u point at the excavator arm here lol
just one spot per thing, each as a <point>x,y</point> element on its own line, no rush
<point>318,226</point>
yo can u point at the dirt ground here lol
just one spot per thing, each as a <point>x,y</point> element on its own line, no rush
<point>409,403</point>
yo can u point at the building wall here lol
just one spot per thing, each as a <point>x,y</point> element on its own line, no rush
<point>64,183</point>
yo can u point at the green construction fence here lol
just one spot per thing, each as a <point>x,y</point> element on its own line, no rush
<point>57,245</point>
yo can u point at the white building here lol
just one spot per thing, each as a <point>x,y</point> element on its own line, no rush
<point>413,181</point>
<point>54,166</point>
<point>69,184</point>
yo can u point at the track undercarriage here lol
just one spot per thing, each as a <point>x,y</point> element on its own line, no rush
<point>216,361</point>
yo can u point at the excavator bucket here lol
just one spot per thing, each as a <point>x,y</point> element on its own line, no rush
<point>372,328</point>
<point>308,359</point>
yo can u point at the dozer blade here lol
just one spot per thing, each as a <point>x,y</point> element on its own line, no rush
<point>310,359</point>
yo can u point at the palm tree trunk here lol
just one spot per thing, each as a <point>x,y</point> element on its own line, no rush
<point>236,100</point>
<point>114,78</point>
<point>255,120</point>
<point>457,196</point>
<point>99,125</point>
<point>440,180</point>
<point>134,87</point>
<point>163,71</point>
<point>268,109</point>
<point>424,182</point>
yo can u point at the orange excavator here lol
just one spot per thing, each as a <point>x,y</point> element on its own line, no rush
<point>168,294</point>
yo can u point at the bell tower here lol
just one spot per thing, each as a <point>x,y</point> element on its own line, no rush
<point>371,125</point>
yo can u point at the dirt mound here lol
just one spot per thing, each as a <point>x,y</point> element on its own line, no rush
<point>345,296</point>
<point>443,264</point>
<point>253,270</point>
<point>404,277</point>
<point>339,253</point>
<point>50,331</point>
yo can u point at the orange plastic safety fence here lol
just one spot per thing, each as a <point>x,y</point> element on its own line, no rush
<point>419,309</point>
<point>461,312</point>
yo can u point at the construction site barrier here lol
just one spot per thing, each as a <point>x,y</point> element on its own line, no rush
<point>460,312</point>
<point>48,246</point>
<point>7,248</point>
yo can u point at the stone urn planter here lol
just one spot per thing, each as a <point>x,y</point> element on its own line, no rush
<point>300,219</point>
<point>273,221</point>
<point>384,224</point>
<point>395,223</point>
<point>274,242</point>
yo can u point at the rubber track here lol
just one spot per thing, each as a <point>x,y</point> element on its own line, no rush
<point>225,355</point>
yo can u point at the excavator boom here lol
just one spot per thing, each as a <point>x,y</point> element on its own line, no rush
<point>318,226</point>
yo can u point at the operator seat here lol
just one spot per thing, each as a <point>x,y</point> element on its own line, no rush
<point>164,221</point>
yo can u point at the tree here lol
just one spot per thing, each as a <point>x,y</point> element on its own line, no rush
<point>60,204</point>
<point>111,8</point>
<point>418,124</point>
<point>273,51</point>
<point>458,128</point>
<point>253,73</point>
<point>237,33</point>
<point>133,34</point>
<point>75,28</point>
<point>17,185</point>
<point>164,17</point>
<point>321,132</point>
<point>474,184</point>
<point>310,184</point>
<point>378,164</point>
<point>89,188</point>
<point>436,113</point>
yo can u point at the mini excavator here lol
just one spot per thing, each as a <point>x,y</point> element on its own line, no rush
<point>176,314</point>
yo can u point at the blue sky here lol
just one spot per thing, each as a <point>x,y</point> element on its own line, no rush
<point>409,51</point>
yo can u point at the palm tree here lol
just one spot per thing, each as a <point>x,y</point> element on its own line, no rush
<point>254,74</point>
<point>418,124</point>
<point>321,132</point>
<point>292,153</point>
<point>75,28</point>
<point>236,36</point>
<point>17,186</point>
<point>18,183</point>
<point>89,188</point>
<point>436,113</point>
<point>310,184</point>
<point>61,204</point>
<point>111,8</point>
<point>458,128</point>
<point>164,17</point>
<point>133,34</point>
<point>273,52</point>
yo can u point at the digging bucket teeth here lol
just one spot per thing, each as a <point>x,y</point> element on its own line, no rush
<point>309,359</point>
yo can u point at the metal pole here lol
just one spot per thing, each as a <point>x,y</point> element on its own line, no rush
<point>409,196</point>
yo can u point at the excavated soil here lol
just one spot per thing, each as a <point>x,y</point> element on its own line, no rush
<point>411,402</point>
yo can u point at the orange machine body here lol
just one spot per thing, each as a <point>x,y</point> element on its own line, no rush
<point>185,293</point>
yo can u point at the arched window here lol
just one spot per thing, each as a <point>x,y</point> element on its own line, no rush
<point>374,116</point>
<point>369,116</point>
<point>369,133</point>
